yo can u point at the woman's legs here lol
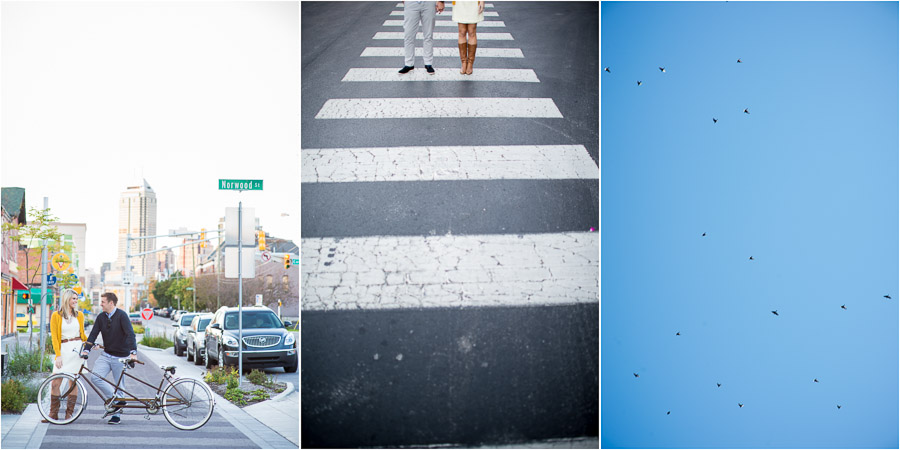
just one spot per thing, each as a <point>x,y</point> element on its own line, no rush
<point>463,49</point>
<point>472,45</point>
<point>54,400</point>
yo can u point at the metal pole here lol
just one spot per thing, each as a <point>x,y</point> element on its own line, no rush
<point>194,276</point>
<point>43,293</point>
<point>240,298</point>
<point>128,268</point>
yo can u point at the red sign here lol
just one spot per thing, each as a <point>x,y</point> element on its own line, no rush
<point>147,314</point>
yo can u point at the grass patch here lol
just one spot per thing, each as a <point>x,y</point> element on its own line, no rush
<point>138,329</point>
<point>22,363</point>
<point>222,376</point>
<point>156,341</point>
<point>259,395</point>
<point>235,396</point>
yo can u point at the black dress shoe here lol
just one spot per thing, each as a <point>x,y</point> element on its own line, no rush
<point>429,69</point>
<point>406,69</point>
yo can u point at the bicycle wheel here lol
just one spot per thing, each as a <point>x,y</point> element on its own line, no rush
<point>188,404</point>
<point>71,402</point>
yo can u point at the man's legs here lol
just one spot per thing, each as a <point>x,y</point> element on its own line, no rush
<point>412,15</point>
<point>428,33</point>
<point>106,366</point>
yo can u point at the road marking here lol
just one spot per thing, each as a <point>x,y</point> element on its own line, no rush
<point>448,23</point>
<point>445,52</point>
<point>382,272</point>
<point>468,107</point>
<point>398,35</point>
<point>486,13</point>
<point>486,5</point>
<point>390,74</point>
<point>501,162</point>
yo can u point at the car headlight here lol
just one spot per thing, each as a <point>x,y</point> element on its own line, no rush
<point>230,341</point>
<point>289,340</point>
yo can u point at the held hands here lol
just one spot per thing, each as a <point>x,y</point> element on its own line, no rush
<point>439,7</point>
<point>480,7</point>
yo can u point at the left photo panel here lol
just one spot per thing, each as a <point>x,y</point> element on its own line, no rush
<point>150,174</point>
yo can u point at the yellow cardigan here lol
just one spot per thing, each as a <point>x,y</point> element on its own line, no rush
<point>56,330</point>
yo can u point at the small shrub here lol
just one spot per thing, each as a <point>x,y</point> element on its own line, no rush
<point>138,329</point>
<point>23,363</point>
<point>156,341</point>
<point>235,396</point>
<point>259,395</point>
<point>259,378</point>
<point>232,382</point>
<point>222,376</point>
<point>13,397</point>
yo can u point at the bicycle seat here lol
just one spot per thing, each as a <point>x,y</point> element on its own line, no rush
<point>168,369</point>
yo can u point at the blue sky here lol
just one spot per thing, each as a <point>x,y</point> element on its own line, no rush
<point>807,184</point>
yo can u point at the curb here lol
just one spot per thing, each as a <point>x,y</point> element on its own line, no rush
<point>152,349</point>
<point>287,391</point>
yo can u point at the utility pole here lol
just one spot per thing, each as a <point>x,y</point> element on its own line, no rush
<point>43,293</point>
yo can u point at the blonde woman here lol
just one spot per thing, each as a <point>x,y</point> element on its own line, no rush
<point>67,334</point>
<point>467,15</point>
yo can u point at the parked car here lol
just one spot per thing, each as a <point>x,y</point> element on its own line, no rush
<point>181,326</point>
<point>136,318</point>
<point>196,335</point>
<point>22,321</point>
<point>266,343</point>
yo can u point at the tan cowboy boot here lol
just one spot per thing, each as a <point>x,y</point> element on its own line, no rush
<point>70,404</point>
<point>54,408</point>
<point>471,58</point>
<point>463,57</point>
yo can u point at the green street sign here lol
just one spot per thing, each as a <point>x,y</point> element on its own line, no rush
<point>295,261</point>
<point>241,185</point>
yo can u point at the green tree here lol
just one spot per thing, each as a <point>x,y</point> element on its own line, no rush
<point>38,228</point>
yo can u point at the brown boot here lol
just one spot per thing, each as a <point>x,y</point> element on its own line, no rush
<point>70,403</point>
<point>471,58</point>
<point>463,57</point>
<point>54,409</point>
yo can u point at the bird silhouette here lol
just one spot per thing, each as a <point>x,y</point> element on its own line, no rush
<point>715,120</point>
<point>718,384</point>
<point>751,258</point>
<point>607,69</point>
<point>678,334</point>
<point>887,297</point>
<point>704,234</point>
<point>662,69</point>
<point>843,306</point>
<point>839,406</point>
<point>740,405</point>
<point>747,110</point>
<point>816,380</point>
<point>775,312</point>
<point>739,59</point>
<point>639,82</point>
<point>636,375</point>
<point>668,412</point>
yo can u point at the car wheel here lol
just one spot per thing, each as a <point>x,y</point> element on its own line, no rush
<point>178,350</point>
<point>291,368</point>
<point>221,360</point>
<point>175,348</point>
<point>190,356</point>
<point>197,357</point>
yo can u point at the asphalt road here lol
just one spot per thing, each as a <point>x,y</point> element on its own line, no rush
<point>439,375</point>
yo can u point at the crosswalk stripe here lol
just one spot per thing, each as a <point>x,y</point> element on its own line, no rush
<point>398,35</point>
<point>486,13</point>
<point>463,107</point>
<point>382,272</point>
<point>450,5</point>
<point>390,74</point>
<point>445,52</point>
<point>513,162</point>
<point>449,23</point>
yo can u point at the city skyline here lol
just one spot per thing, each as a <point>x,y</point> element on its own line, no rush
<point>214,97</point>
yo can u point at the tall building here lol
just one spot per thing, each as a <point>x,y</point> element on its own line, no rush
<point>137,215</point>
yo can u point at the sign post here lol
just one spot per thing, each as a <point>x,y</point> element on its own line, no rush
<point>240,185</point>
<point>147,314</point>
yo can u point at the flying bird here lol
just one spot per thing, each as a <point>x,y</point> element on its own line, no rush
<point>636,375</point>
<point>887,297</point>
<point>704,234</point>
<point>843,306</point>
<point>816,380</point>
<point>639,82</point>
<point>715,120</point>
<point>751,258</point>
<point>740,405</point>
<point>739,59</point>
<point>607,69</point>
<point>678,334</point>
<point>662,69</point>
<point>718,384</point>
<point>747,110</point>
<point>839,406</point>
<point>775,312</point>
<point>668,412</point>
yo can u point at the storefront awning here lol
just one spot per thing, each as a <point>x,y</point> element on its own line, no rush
<point>18,286</point>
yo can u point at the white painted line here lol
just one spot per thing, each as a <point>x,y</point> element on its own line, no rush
<point>450,5</point>
<point>398,35</point>
<point>390,74</point>
<point>383,272</point>
<point>486,13</point>
<point>445,52</point>
<point>502,162</point>
<point>449,23</point>
<point>411,108</point>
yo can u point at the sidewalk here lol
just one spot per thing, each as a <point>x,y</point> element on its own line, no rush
<point>273,423</point>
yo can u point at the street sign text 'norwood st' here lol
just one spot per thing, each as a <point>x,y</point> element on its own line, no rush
<point>241,185</point>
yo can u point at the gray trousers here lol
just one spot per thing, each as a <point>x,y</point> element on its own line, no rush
<point>413,14</point>
<point>107,366</point>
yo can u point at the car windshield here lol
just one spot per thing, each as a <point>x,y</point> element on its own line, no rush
<point>186,319</point>
<point>253,319</point>
<point>203,323</point>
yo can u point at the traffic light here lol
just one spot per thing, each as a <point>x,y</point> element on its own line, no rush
<point>203,238</point>
<point>26,296</point>
<point>262,240</point>
<point>287,261</point>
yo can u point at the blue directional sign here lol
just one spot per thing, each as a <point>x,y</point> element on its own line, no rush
<point>51,280</point>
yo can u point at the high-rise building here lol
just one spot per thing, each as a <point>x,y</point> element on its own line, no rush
<point>137,215</point>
